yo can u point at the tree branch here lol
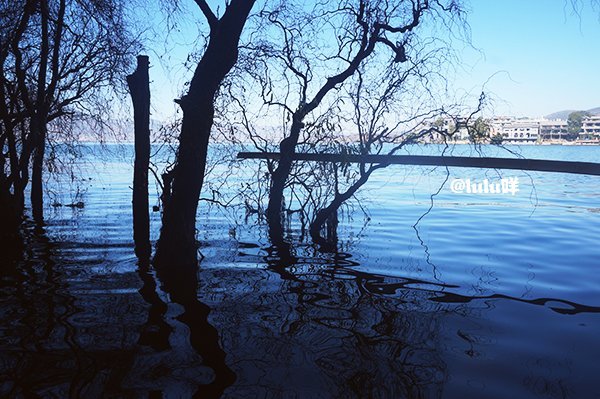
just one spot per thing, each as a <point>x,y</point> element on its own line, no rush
<point>397,48</point>
<point>210,16</point>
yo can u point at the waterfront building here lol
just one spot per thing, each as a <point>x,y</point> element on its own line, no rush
<point>516,131</point>
<point>590,128</point>
<point>553,129</point>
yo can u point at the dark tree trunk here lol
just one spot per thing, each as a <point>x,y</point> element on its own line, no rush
<point>139,88</point>
<point>9,213</point>
<point>177,242</point>
<point>11,204</point>
<point>274,212</point>
<point>328,215</point>
<point>37,169</point>
<point>39,121</point>
<point>178,234</point>
<point>9,227</point>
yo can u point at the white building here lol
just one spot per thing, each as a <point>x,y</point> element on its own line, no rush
<point>516,130</point>
<point>591,127</point>
<point>553,129</point>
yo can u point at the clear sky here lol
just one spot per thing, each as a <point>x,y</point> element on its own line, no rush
<point>543,57</point>
<point>537,57</point>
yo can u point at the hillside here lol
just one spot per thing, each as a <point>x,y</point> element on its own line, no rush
<point>565,114</point>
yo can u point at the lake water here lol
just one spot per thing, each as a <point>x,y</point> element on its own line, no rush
<point>487,296</point>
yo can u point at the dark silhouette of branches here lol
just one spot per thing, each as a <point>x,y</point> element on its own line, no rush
<point>306,63</point>
<point>183,184</point>
<point>58,60</point>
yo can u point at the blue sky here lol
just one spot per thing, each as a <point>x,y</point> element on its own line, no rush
<point>543,57</point>
<point>533,56</point>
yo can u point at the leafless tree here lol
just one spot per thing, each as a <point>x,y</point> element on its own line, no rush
<point>388,116</point>
<point>302,59</point>
<point>184,182</point>
<point>58,58</point>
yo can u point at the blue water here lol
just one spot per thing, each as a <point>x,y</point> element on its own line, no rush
<point>433,294</point>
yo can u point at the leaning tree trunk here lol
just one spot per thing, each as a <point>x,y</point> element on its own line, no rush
<point>177,242</point>
<point>178,234</point>
<point>287,148</point>
<point>328,214</point>
<point>139,88</point>
<point>274,212</point>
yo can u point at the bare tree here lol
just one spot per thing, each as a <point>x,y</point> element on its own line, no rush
<point>388,116</point>
<point>307,57</point>
<point>57,58</point>
<point>184,182</point>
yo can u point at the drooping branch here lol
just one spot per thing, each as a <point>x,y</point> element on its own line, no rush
<point>57,58</point>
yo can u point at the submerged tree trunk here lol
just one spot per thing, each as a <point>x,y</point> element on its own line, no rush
<point>11,220</point>
<point>11,213</point>
<point>328,214</point>
<point>39,119</point>
<point>177,242</point>
<point>274,212</point>
<point>139,88</point>
<point>37,170</point>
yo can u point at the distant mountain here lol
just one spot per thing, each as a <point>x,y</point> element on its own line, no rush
<point>565,114</point>
<point>594,111</point>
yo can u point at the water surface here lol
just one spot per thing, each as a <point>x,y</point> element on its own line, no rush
<point>487,296</point>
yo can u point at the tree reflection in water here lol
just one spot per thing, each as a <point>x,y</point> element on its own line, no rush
<point>54,339</point>
<point>306,328</point>
<point>74,325</point>
<point>79,321</point>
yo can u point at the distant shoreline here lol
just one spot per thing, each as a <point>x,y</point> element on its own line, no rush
<point>457,142</point>
<point>565,143</point>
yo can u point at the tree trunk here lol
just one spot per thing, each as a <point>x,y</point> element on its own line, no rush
<point>11,220</point>
<point>139,88</point>
<point>11,201</point>
<point>37,168</point>
<point>178,234</point>
<point>328,215</point>
<point>274,212</point>
<point>39,121</point>
<point>177,242</point>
